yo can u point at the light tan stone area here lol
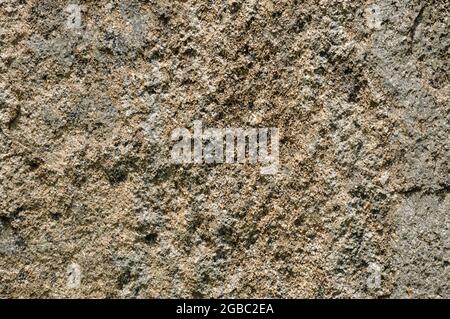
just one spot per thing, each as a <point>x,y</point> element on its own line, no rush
<point>91,205</point>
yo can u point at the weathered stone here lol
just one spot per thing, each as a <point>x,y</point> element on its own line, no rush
<point>92,206</point>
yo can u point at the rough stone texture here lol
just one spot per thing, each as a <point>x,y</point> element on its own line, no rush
<point>358,89</point>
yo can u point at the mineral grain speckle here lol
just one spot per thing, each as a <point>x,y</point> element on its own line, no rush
<point>91,206</point>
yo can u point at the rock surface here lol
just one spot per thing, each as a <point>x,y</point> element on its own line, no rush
<point>91,206</point>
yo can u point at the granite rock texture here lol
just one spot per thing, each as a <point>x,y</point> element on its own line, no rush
<point>91,205</point>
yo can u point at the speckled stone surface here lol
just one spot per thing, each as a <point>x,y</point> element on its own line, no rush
<point>91,205</point>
